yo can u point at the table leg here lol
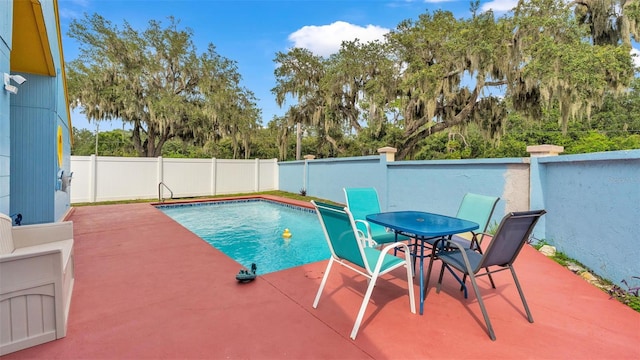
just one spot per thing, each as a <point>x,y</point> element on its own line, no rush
<point>421,276</point>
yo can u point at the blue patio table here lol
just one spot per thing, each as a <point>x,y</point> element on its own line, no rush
<point>422,226</point>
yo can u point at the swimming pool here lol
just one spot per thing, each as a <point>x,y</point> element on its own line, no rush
<point>250,231</point>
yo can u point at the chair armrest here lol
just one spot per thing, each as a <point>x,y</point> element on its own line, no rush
<point>393,246</point>
<point>366,225</point>
<point>368,237</point>
<point>479,237</point>
<point>32,235</point>
<point>65,247</point>
<point>25,255</point>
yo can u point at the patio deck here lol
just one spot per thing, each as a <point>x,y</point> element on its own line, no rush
<point>148,288</point>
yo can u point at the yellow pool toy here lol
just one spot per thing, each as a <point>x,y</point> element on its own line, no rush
<point>286,234</point>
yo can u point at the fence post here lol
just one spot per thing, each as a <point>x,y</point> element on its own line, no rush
<point>387,155</point>
<point>388,152</point>
<point>160,176</point>
<point>214,165</point>
<point>276,174</point>
<point>305,173</point>
<point>93,178</point>
<point>537,182</point>
<point>256,178</point>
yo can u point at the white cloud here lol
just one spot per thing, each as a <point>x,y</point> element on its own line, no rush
<point>499,5</point>
<point>635,55</point>
<point>69,14</point>
<point>72,9</point>
<point>325,40</point>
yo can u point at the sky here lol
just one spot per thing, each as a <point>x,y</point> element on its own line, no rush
<point>251,32</point>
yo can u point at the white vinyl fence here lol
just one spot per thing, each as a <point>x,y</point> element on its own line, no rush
<point>105,178</point>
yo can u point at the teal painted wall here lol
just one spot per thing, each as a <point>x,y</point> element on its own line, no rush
<point>291,176</point>
<point>593,210</point>
<point>439,186</point>
<point>592,200</point>
<point>33,162</point>
<point>29,122</point>
<point>6,15</point>
<point>60,117</point>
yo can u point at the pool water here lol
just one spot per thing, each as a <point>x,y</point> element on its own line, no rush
<point>250,231</point>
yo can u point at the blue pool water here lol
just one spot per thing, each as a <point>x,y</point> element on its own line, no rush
<point>250,231</point>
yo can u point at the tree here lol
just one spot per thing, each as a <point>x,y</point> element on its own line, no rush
<point>299,74</point>
<point>84,142</point>
<point>609,21</point>
<point>156,82</point>
<point>440,73</point>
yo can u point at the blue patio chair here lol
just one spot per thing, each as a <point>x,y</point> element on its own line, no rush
<point>347,250</point>
<point>479,209</point>
<point>513,232</point>
<point>362,202</point>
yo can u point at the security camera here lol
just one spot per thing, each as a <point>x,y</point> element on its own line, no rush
<point>12,89</point>
<point>7,82</point>
<point>18,78</point>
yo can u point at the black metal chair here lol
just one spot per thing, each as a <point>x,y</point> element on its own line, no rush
<point>511,235</point>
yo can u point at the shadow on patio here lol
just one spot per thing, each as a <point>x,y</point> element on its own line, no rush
<point>148,288</point>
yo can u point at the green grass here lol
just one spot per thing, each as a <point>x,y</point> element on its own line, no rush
<point>632,301</point>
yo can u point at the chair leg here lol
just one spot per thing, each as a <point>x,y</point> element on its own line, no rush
<point>493,285</point>
<point>323,282</point>
<point>414,258</point>
<point>492,335</point>
<point>439,286</point>
<point>412,299</point>
<point>363,307</point>
<point>524,302</point>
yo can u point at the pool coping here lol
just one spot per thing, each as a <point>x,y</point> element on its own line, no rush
<point>272,198</point>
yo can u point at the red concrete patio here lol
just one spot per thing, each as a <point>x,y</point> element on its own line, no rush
<point>147,288</point>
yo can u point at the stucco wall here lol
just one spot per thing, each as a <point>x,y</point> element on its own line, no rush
<point>592,200</point>
<point>291,176</point>
<point>593,205</point>
<point>439,186</point>
<point>436,186</point>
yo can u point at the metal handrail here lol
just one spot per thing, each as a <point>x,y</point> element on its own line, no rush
<point>160,185</point>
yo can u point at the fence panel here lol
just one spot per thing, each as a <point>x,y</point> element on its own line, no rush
<point>187,177</point>
<point>235,176</point>
<point>125,178</point>
<point>268,175</point>
<point>105,178</point>
<point>82,185</point>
